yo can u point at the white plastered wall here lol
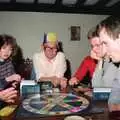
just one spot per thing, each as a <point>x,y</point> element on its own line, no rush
<point>28,28</point>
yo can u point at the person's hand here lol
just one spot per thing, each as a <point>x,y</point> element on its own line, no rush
<point>94,55</point>
<point>63,83</point>
<point>14,77</point>
<point>73,81</point>
<point>55,81</point>
<point>15,84</point>
<point>8,95</point>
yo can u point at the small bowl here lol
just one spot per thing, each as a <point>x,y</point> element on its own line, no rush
<point>74,117</point>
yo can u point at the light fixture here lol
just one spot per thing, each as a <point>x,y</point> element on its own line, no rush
<point>91,2</point>
<point>4,0</point>
<point>111,3</point>
<point>47,1</point>
<point>25,1</point>
<point>69,2</point>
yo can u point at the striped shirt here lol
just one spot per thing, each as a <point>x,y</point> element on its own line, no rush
<point>6,69</point>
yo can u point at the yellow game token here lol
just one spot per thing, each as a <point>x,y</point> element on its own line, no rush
<point>7,110</point>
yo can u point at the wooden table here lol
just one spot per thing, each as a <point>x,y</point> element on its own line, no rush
<point>99,116</point>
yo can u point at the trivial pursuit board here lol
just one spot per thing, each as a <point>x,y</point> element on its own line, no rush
<point>36,106</point>
<point>55,104</point>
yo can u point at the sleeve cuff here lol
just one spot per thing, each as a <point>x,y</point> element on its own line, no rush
<point>3,84</point>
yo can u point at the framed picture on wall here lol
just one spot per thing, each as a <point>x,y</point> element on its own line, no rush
<point>75,33</point>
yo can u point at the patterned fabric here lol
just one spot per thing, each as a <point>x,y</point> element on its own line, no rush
<point>3,84</point>
<point>87,66</point>
<point>6,69</point>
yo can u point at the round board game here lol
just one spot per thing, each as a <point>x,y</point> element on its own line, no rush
<point>55,104</point>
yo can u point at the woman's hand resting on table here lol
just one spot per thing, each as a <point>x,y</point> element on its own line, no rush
<point>73,81</point>
<point>59,81</point>
<point>8,95</point>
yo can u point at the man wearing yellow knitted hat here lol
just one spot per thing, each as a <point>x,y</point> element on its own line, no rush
<point>50,64</point>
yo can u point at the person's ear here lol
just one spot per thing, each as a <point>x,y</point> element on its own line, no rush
<point>42,47</point>
<point>119,35</point>
<point>118,39</point>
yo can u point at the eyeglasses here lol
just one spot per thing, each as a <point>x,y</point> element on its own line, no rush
<point>97,45</point>
<point>50,48</point>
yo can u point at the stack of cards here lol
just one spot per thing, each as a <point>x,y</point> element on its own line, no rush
<point>101,93</point>
<point>29,87</point>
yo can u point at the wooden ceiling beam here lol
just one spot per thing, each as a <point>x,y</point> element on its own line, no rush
<point>101,3</point>
<point>79,8</point>
<point>80,3</point>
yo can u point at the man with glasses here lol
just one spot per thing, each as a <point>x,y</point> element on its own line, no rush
<point>86,69</point>
<point>50,64</point>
